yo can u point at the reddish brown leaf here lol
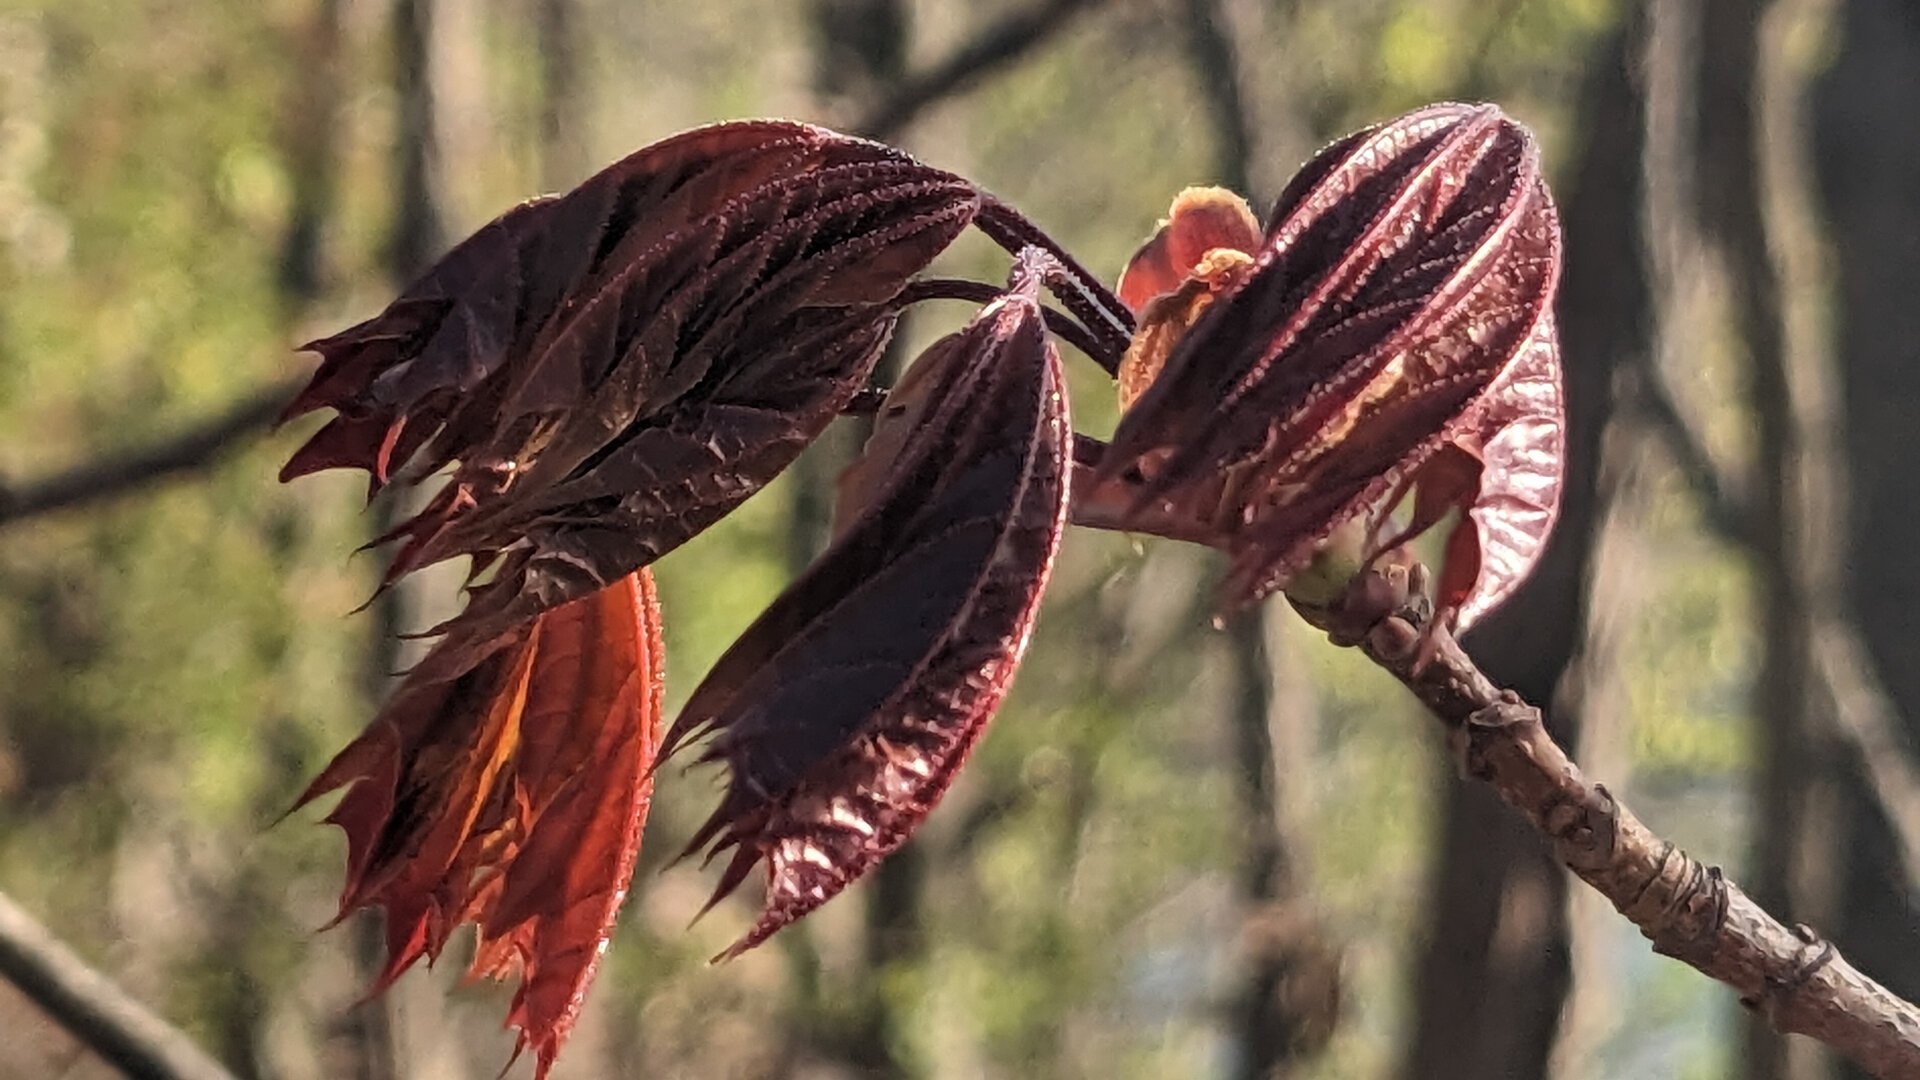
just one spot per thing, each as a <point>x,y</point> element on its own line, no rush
<point>843,712</point>
<point>1403,273</point>
<point>616,368</point>
<point>512,797</point>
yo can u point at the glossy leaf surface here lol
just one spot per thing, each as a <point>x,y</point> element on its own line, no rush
<point>843,712</point>
<point>1511,463</point>
<point>616,368</point>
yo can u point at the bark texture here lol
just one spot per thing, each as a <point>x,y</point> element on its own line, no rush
<point>1789,975</point>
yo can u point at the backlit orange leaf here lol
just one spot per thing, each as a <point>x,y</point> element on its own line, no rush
<point>512,797</point>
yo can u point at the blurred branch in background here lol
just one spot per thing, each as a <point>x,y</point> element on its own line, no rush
<point>563,105</point>
<point>1795,981</point>
<point>994,46</point>
<point>114,475</point>
<point>312,148</point>
<point>92,1008</point>
<point>991,49</point>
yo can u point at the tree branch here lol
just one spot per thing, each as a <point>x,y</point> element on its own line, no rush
<point>92,1008</point>
<point>995,46</point>
<point>1797,980</point>
<point>118,474</point>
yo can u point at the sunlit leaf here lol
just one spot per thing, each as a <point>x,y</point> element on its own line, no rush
<point>512,797</point>
<point>1515,451</point>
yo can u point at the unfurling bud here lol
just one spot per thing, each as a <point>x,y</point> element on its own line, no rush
<point>1399,305</point>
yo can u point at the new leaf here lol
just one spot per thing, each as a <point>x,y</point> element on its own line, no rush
<point>512,797</point>
<point>844,711</point>
<point>1403,275</point>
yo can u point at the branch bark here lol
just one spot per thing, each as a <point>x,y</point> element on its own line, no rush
<point>92,1008</point>
<point>1793,978</point>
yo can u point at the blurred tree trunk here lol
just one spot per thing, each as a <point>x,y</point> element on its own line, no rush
<point>310,147</point>
<point>416,236</point>
<point>419,231</point>
<point>564,106</point>
<point>1868,149</point>
<point>1755,206</point>
<point>312,152</point>
<point>1495,970</point>
<point>1287,1004</point>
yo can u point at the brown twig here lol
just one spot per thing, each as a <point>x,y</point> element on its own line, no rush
<point>1797,980</point>
<point>92,1008</point>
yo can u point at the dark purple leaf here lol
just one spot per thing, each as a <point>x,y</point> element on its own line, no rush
<point>615,369</point>
<point>843,712</point>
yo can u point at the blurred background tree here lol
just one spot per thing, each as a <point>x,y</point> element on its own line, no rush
<point>1181,852</point>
